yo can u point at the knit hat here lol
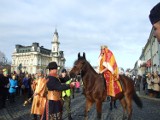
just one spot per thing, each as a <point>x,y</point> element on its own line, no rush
<point>103,46</point>
<point>5,72</point>
<point>64,70</point>
<point>155,14</point>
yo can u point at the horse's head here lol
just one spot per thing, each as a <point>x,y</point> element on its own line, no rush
<point>78,66</point>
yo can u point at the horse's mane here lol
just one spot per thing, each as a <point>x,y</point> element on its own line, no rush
<point>94,73</point>
<point>90,66</point>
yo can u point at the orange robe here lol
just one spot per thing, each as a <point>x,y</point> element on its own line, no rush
<point>107,60</point>
<point>38,104</point>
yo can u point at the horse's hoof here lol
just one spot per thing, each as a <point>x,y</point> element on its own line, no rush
<point>86,118</point>
<point>124,118</point>
<point>98,119</point>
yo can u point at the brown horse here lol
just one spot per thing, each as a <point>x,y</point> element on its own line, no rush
<point>95,88</point>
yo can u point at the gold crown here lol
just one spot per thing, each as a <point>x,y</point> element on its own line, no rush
<point>103,46</point>
<point>4,70</point>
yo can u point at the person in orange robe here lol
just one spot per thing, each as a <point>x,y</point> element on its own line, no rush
<point>108,67</point>
<point>39,98</point>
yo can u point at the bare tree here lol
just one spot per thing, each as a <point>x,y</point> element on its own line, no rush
<point>2,57</point>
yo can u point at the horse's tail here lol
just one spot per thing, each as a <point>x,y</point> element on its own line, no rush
<point>137,100</point>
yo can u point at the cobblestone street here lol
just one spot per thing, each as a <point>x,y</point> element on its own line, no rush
<point>71,59</point>
<point>150,111</point>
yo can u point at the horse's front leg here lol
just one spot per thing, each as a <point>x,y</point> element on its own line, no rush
<point>110,105</point>
<point>88,106</point>
<point>99,109</point>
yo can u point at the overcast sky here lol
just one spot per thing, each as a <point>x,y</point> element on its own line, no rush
<point>82,25</point>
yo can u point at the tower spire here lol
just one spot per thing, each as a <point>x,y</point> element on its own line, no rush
<point>56,33</point>
<point>55,42</point>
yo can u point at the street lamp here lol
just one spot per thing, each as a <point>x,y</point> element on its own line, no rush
<point>3,61</point>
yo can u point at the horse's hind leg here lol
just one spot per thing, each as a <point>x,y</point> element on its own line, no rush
<point>88,106</point>
<point>124,105</point>
<point>99,109</point>
<point>128,98</point>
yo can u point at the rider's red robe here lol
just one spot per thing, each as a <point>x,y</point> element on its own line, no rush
<point>107,60</point>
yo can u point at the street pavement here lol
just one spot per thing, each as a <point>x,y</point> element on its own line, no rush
<point>150,110</point>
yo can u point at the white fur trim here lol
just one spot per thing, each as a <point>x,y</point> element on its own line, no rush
<point>108,66</point>
<point>99,60</point>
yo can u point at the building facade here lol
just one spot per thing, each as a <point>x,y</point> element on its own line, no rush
<point>30,58</point>
<point>149,60</point>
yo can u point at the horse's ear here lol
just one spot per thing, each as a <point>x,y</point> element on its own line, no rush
<point>84,55</point>
<point>78,55</point>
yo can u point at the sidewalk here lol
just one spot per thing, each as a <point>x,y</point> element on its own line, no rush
<point>143,95</point>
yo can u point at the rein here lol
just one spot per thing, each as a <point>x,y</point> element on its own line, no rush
<point>82,77</point>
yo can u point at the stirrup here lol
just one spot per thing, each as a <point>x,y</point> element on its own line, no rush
<point>108,98</point>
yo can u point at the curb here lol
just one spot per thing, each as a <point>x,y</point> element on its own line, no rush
<point>150,98</point>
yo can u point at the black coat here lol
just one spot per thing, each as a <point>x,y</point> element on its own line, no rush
<point>4,81</point>
<point>55,84</point>
<point>64,79</point>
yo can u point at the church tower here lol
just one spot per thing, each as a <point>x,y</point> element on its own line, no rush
<point>55,47</point>
<point>55,43</point>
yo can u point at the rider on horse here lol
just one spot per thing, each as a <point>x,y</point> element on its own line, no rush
<point>108,67</point>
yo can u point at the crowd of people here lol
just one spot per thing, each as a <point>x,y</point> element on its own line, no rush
<point>48,93</point>
<point>14,84</point>
<point>149,83</point>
